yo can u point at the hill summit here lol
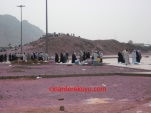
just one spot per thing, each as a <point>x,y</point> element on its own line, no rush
<point>66,43</point>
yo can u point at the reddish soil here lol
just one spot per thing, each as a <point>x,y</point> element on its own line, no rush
<point>123,95</point>
<point>28,95</point>
<point>56,69</point>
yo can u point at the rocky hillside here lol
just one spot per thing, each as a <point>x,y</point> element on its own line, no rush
<point>10,31</point>
<point>71,43</point>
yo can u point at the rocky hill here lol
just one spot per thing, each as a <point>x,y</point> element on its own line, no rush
<point>10,31</point>
<point>76,44</point>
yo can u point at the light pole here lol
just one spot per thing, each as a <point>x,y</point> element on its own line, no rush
<point>46,28</point>
<point>21,24</point>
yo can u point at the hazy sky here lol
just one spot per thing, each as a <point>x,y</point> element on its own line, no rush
<point>122,20</point>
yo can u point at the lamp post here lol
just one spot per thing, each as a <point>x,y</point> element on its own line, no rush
<point>46,28</point>
<point>21,24</point>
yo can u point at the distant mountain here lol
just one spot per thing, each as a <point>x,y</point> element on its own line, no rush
<point>10,30</point>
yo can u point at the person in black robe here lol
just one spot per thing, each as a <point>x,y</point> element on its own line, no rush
<point>61,58</point>
<point>84,56</point>
<point>140,56</point>
<point>67,57</point>
<point>64,58</point>
<point>5,57</point>
<point>56,58</point>
<point>1,58</point>
<point>120,58</point>
<point>34,56</point>
<point>73,58</point>
<point>10,57</point>
<point>15,56</point>
<point>137,57</point>
<point>88,55</point>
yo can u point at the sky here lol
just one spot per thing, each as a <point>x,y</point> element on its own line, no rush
<point>122,20</point>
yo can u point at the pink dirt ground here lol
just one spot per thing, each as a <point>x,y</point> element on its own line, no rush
<point>123,95</point>
<point>56,69</point>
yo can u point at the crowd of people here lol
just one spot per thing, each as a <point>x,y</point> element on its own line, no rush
<point>3,57</point>
<point>24,57</point>
<point>123,57</point>
<point>94,58</point>
<point>84,57</point>
<point>64,58</point>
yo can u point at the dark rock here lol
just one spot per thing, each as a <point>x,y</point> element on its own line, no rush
<point>61,108</point>
<point>61,99</point>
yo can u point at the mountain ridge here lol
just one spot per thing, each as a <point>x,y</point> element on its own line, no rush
<point>10,30</point>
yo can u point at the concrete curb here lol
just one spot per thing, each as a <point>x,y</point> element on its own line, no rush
<point>139,74</point>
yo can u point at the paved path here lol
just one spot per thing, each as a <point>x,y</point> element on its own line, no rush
<point>144,64</point>
<point>117,69</point>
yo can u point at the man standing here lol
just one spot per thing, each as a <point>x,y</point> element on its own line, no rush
<point>101,56</point>
<point>126,57</point>
<point>81,56</point>
<point>134,57</point>
<point>95,60</point>
<point>5,57</point>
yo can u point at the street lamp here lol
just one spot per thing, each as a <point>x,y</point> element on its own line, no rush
<point>46,28</point>
<point>21,24</point>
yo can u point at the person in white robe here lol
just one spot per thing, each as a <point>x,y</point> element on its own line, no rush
<point>81,56</point>
<point>95,60</point>
<point>45,56</point>
<point>126,57</point>
<point>24,57</point>
<point>134,57</point>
